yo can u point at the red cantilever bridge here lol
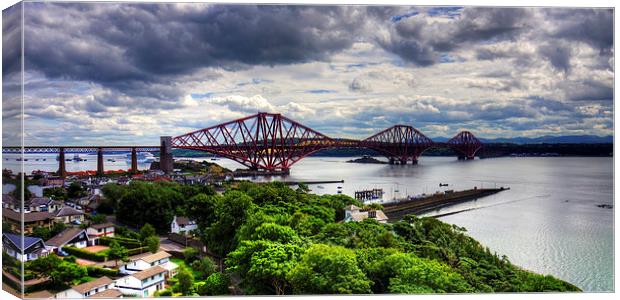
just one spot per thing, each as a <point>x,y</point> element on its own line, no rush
<point>272,142</point>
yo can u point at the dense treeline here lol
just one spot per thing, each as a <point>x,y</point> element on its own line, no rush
<point>279,240</point>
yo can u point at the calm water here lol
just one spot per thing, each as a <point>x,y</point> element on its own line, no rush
<point>548,222</point>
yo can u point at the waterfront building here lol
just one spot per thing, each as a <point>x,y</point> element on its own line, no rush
<point>182,225</point>
<point>356,214</point>
<point>142,284</point>
<point>102,287</point>
<point>33,247</point>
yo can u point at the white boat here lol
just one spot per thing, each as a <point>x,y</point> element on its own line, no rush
<point>142,157</point>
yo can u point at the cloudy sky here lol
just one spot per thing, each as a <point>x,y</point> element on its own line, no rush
<point>129,73</point>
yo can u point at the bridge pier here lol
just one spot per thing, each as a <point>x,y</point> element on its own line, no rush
<point>414,161</point>
<point>166,162</point>
<point>100,171</point>
<point>62,170</point>
<point>391,161</point>
<point>403,161</point>
<point>134,161</point>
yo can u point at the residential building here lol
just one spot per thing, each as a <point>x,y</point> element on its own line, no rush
<point>69,215</point>
<point>161,258</point>
<point>33,247</point>
<point>356,214</point>
<point>72,237</point>
<point>10,202</point>
<point>91,289</point>
<point>182,225</point>
<point>31,220</point>
<point>96,231</point>
<point>142,284</point>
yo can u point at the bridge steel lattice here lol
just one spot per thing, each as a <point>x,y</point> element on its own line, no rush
<point>272,142</point>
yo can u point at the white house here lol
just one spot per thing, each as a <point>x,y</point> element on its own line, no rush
<point>102,287</point>
<point>354,213</point>
<point>182,225</point>
<point>161,258</point>
<point>33,247</point>
<point>95,231</point>
<point>72,236</point>
<point>142,284</point>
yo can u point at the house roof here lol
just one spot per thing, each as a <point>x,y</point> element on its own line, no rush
<point>155,257</point>
<point>351,207</point>
<point>91,285</point>
<point>64,237</point>
<point>8,198</point>
<point>183,221</point>
<point>68,211</point>
<point>102,225</point>
<point>109,293</point>
<point>44,294</point>
<point>16,239</point>
<point>28,217</point>
<point>39,201</point>
<point>149,272</point>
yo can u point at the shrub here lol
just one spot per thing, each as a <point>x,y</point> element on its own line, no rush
<point>164,293</point>
<point>99,272</point>
<point>98,256</point>
<point>125,242</point>
<point>216,284</point>
<point>190,255</point>
<point>135,251</point>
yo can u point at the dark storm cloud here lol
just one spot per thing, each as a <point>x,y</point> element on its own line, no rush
<point>592,26</point>
<point>558,56</point>
<point>421,41</point>
<point>11,40</point>
<point>117,45</point>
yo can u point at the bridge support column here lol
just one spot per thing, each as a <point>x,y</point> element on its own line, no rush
<point>391,161</point>
<point>165,154</point>
<point>470,157</point>
<point>134,161</point>
<point>461,157</point>
<point>414,161</point>
<point>62,170</point>
<point>403,161</point>
<point>100,171</point>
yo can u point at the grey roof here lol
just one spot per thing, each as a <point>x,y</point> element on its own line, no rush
<point>9,199</point>
<point>65,236</point>
<point>184,221</point>
<point>28,217</point>
<point>39,201</point>
<point>16,239</point>
<point>68,211</point>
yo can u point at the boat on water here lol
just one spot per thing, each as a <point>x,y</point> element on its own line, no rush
<point>142,157</point>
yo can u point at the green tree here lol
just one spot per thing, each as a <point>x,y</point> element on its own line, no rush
<point>75,190</point>
<point>185,281</point>
<point>230,214</point>
<point>147,231</point>
<point>325,269</point>
<point>118,252</point>
<point>152,242</point>
<point>61,273</point>
<point>216,284</point>
<point>204,266</point>
<point>264,263</point>
<point>190,254</point>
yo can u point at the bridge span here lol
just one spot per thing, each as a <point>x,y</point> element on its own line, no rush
<point>272,142</point>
